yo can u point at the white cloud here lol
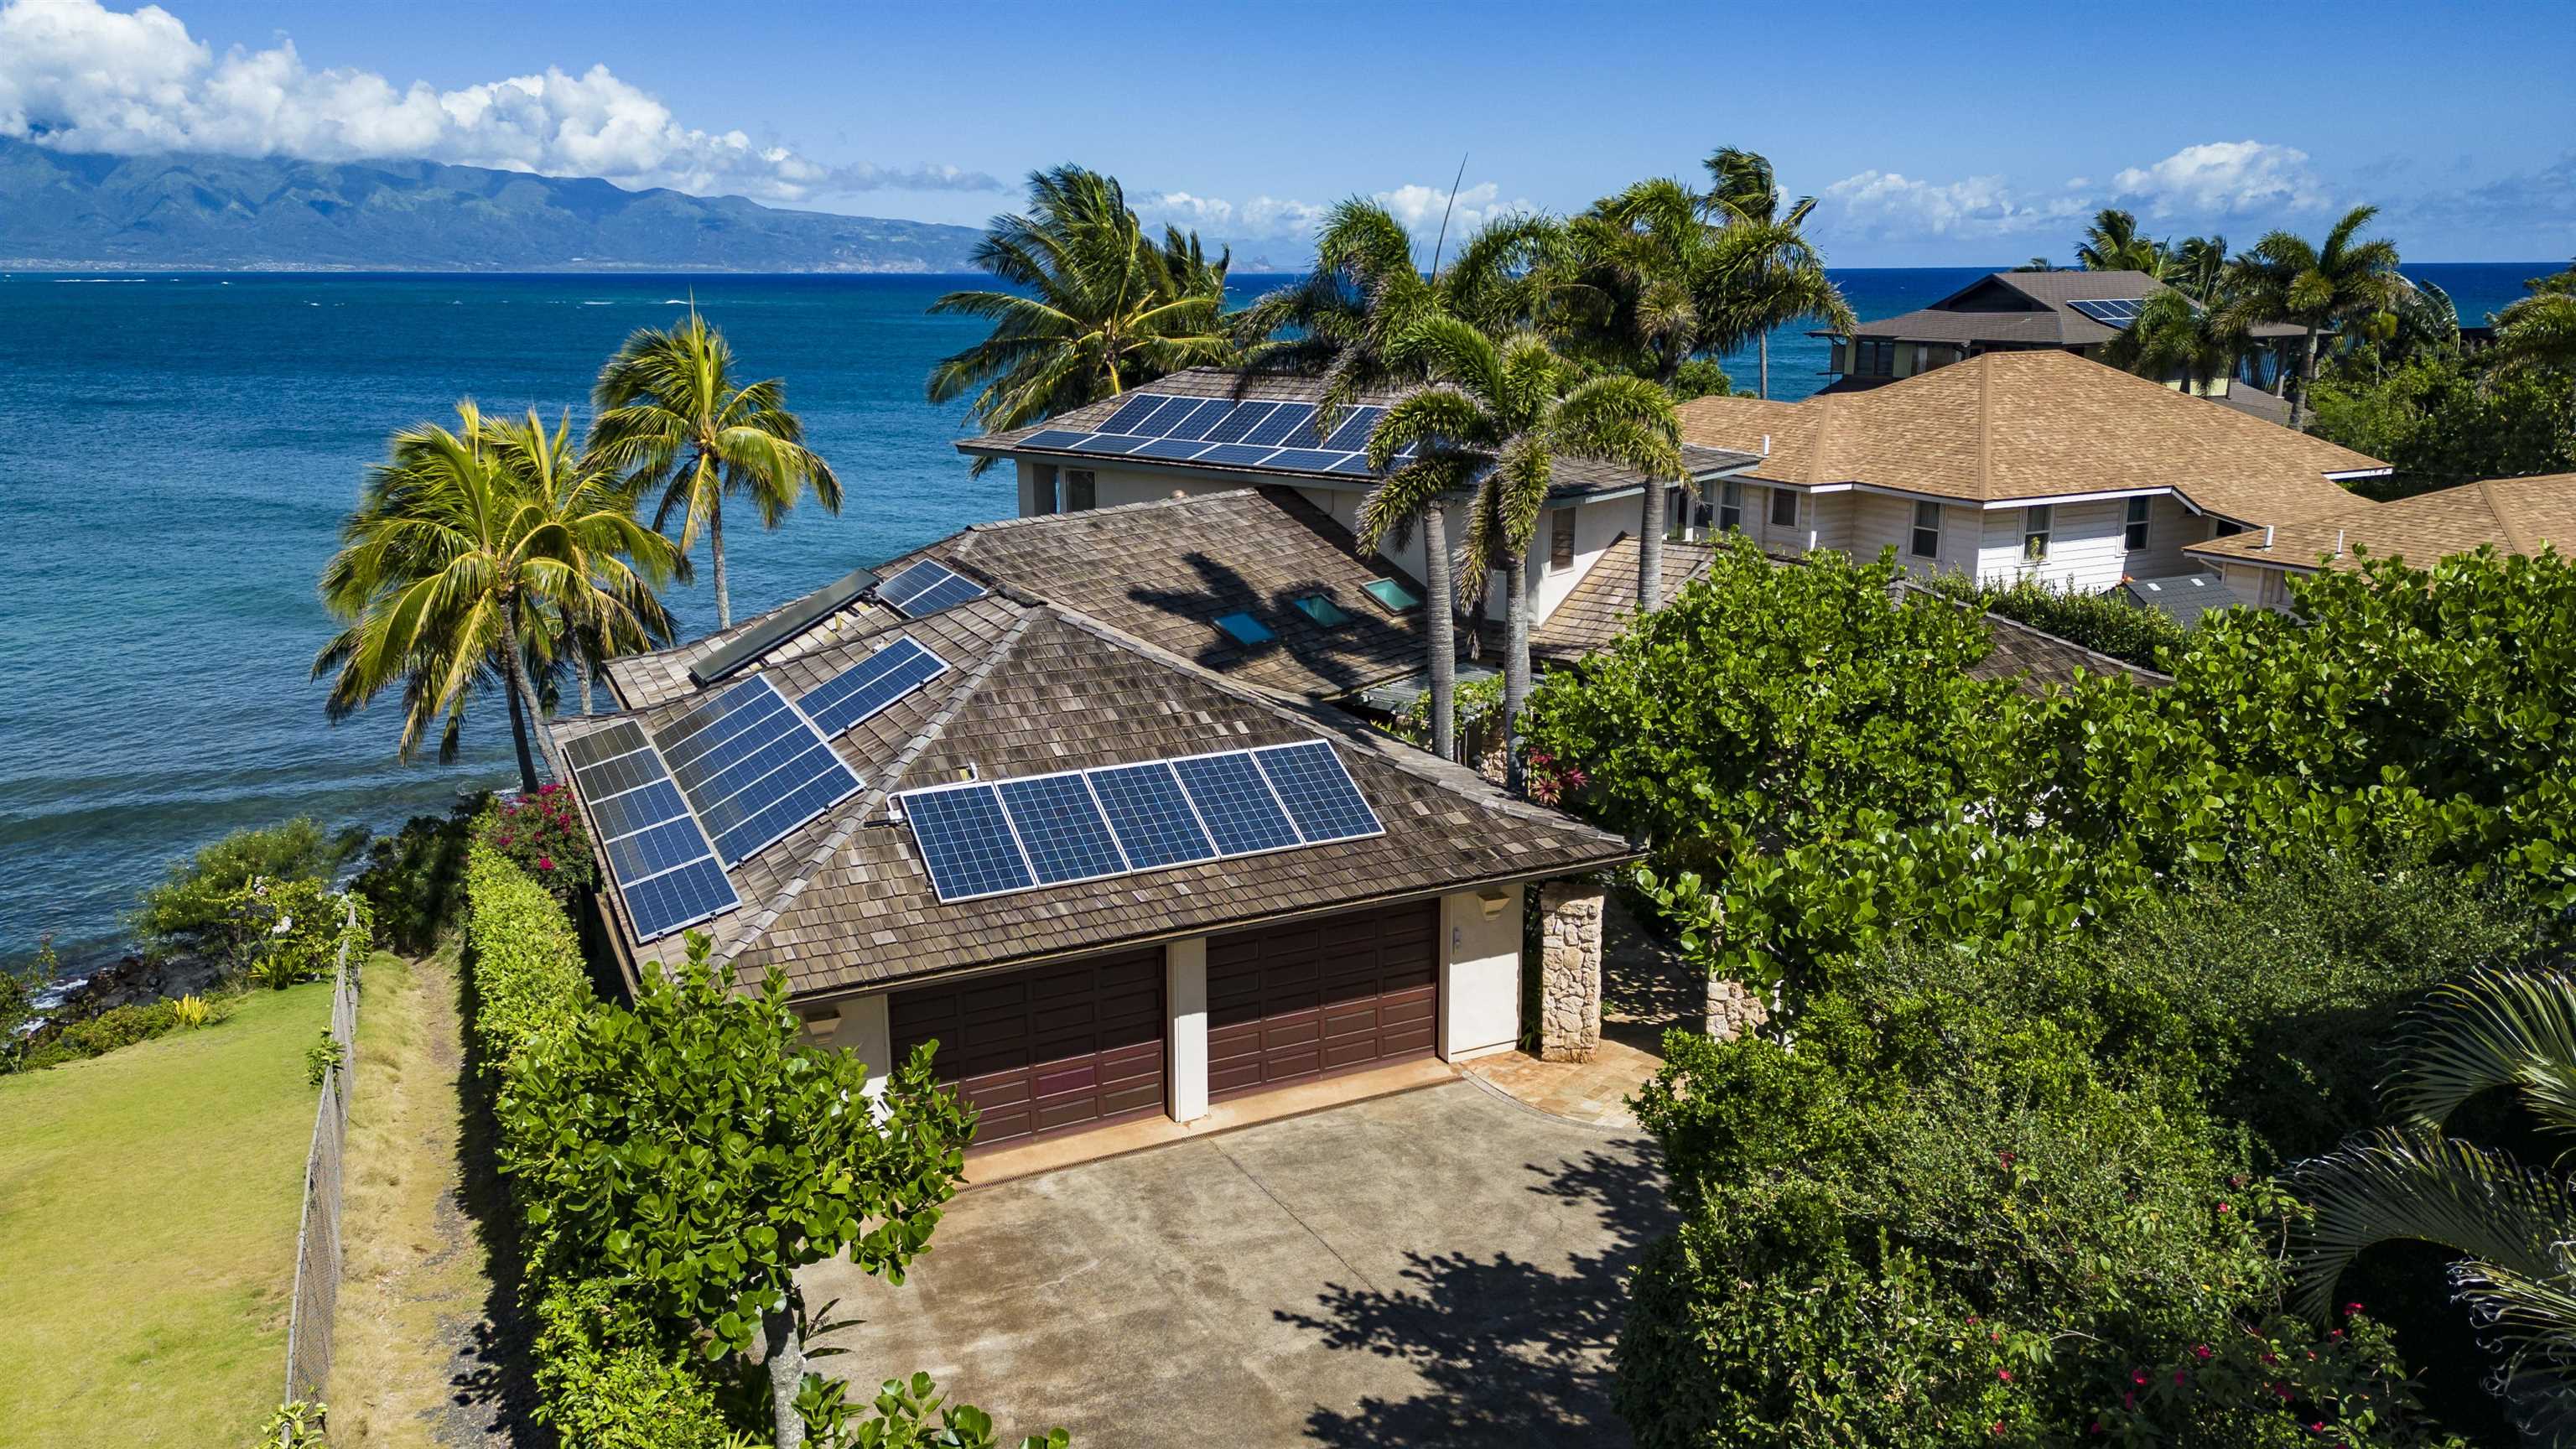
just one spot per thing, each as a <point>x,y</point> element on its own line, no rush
<point>1888,203</point>
<point>1279,219</point>
<point>2224,178</point>
<point>77,76</point>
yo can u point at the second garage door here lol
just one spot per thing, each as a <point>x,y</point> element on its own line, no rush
<point>1038,1051</point>
<point>1302,1000</point>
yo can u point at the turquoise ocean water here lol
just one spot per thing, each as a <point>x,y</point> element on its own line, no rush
<point>176,453</point>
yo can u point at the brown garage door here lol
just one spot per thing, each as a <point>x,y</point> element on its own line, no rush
<point>1286,1002</point>
<point>1046,1049</point>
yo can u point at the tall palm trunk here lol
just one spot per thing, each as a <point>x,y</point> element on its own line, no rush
<point>519,739</point>
<point>2307,379</point>
<point>785,1359</point>
<point>715,547</point>
<point>1441,607</point>
<point>523,698</point>
<point>1516,665</point>
<point>1650,547</point>
<point>1764,344</point>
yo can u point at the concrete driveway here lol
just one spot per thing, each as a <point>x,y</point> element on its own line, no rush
<point>1442,1267</point>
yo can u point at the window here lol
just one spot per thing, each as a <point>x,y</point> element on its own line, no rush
<point>1784,508</point>
<point>2224,529</point>
<point>1730,507</point>
<point>2133,532</point>
<point>1080,491</point>
<point>1322,610</point>
<point>1245,628</point>
<point>2034,532</point>
<point>1391,596</point>
<point>1042,488</point>
<point>1927,530</point>
<point>1560,539</point>
<point>1874,357</point>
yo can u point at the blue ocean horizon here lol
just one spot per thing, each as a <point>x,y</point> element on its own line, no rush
<point>177,452</point>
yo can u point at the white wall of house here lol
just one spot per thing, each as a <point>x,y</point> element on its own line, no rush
<point>2257,584</point>
<point>1185,1034</point>
<point>1480,973</point>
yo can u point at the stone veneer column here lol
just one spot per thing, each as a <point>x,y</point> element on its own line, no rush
<point>1569,970</point>
<point>1734,1009</point>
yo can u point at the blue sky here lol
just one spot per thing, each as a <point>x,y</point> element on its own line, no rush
<point>1934,135</point>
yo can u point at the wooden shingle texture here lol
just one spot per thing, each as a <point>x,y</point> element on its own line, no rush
<point>2510,515</point>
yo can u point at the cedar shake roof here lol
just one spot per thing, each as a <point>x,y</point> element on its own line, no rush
<point>1575,478</point>
<point>1161,571</point>
<point>844,902</point>
<point>2028,309</point>
<point>2514,515</point>
<point>1604,602</point>
<point>2006,426</point>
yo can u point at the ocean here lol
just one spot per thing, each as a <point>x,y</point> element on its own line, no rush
<point>177,452</point>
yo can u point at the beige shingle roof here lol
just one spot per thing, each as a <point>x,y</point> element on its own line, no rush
<point>2033,311</point>
<point>2011,425</point>
<point>2514,515</point>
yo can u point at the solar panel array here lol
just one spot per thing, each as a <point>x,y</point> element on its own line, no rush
<point>664,868</point>
<point>870,686</point>
<point>1276,435</point>
<point>2111,312</point>
<point>753,767</point>
<point>926,588</point>
<point>988,839</point>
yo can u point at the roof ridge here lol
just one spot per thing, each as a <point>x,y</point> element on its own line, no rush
<point>878,792</point>
<point>2504,524</point>
<point>996,525</point>
<point>1986,426</point>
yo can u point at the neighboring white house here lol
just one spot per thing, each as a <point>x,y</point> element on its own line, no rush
<point>2014,464</point>
<point>2510,515</point>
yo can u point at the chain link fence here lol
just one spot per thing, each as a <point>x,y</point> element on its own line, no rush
<point>317,1238</point>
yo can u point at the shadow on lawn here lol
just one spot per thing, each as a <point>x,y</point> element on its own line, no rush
<point>492,1392</point>
<point>1514,1352</point>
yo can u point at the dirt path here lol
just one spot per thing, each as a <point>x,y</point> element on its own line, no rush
<point>428,1351</point>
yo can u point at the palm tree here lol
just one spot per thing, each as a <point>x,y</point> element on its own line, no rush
<point>2172,336</point>
<point>1096,308</point>
<point>667,413</point>
<point>1495,416</point>
<point>2539,331</point>
<point>2112,244</point>
<point>1788,281</point>
<point>2284,279</point>
<point>2198,265</point>
<point>476,554</point>
<point>1344,318</point>
<point>2516,1224</point>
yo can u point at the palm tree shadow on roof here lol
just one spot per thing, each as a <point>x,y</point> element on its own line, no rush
<point>1333,652</point>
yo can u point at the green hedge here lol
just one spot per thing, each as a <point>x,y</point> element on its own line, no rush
<point>2103,623</point>
<point>528,973</point>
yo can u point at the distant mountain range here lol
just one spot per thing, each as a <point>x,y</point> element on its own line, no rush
<point>68,211</point>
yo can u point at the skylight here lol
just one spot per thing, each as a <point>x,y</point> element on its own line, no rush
<point>1245,628</point>
<point>1322,610</point>
<point>1391,596</point>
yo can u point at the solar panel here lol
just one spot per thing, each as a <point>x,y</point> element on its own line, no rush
<point>1113,443</point>
<point>1207,415</point>
<point>1235,803</point>
<point>1354,463</point>
<point>1309,779</point>
<point>926,588</point>
<point>1309,460</point>
<point>1135,410</point>
<point>1152,818</point>
<point>2110,311</point>
<point>657,854</point>
<point>1061,829</point>
<point>1167,417</point>
<point>912,581</point>
<point>947,594</point>
<point>1053,438</point>
<point>871,685</point>
<point>966,842</point>
<point>1357,424</point>
<point>1235,454</point>
<point>753,767</point>
<point>1177,449</point>
<point>1244,418</point>
<point>1286,419</point>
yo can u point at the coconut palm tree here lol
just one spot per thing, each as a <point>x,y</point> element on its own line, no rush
<point>1094,306</point>
<point>1343,319</point>
<point>2539,331</point>
<point>668,414</point>
<point>2198,265</point>
<point>2172,336</point>
<point>2112,244</point>
<point>474,556</point>
<point>1788,282</point>
<point>2319,287</point>
<point>1495,416</point>
<point>2516,1224</point>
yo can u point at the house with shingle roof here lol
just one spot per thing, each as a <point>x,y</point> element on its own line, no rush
<point>2509,515</point>
<point>2066,311</point>
<point>2008,465</point>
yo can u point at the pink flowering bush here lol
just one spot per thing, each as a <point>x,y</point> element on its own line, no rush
<point>542,833</point>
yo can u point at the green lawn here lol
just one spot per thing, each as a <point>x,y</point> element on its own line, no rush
<point>148,1204</point>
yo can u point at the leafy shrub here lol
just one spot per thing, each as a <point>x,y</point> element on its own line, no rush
<point>541,833</point>
<point>322,1058</point>
<point>191,1012</point>
<point>609,1377</point>
<point>2103,623</point>
<point>297,1424</point>
<point>414,879</point>
<point>120,1026</point>
<point>195,908</point>
<point>287,931</point>
<point>526,961</point>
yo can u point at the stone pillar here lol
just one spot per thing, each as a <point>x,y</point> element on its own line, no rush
<point>1185,1039</point>
<point>1734,1009</point>
<point>1569,970</point>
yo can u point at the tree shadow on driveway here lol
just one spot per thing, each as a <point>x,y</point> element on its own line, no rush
<point>1514,1352</point>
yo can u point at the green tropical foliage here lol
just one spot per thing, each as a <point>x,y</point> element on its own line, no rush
<point>2198,266</point>
<point>2174,337</point>
<point>2442,419</point>
<point>473,554</point>
<point>2538,333</point>
<point>2103,623</point>
<point>2112,244</point>
<point>1786,281</point>
<point>668,415</point>
<point>196,907</point>
<point>1096,307</point>
<point>2343,280</point>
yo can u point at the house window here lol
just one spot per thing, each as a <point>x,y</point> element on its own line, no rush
<point>1784,508</point>
<point>1080,491</point>
<point>1730,507</point>
<point>2133,531</point>
<point>1927,530</point>
<point>2034,532</point>
<point>2224,529</point>
<point>1560,539</point>
<point>1874,357</point>
<point>1042,488</point>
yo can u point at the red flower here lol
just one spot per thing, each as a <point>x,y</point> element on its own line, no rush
<point>1998,1429</point>
<point>2139,1378</point>
<point>2178,1376</point>
<point>2350,1309</point>
<point>2222,1207</point>
<point>545,862</point>
<point>2096,1429</point>
<point>2004,1375</point>
<point>2202,1351</point>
